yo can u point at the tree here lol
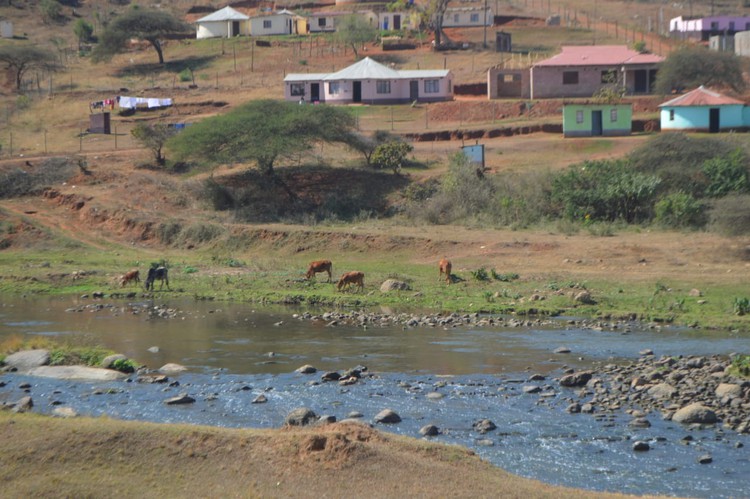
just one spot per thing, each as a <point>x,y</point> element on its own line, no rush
<point>391,155</point>
<point>367,144</point>
<point>83,30</point>
<point>51,11</point>
<point>152,26</point>
<point>263,132</point>
<point>434,12</point>
<point>692,66</point>
<point>18,59</point>
<point>355,31</point>
<point>153,137</point>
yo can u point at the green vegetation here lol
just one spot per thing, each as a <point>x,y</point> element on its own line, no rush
<point>17,59</point>
<point>391,155</point>
<point>68,353</point>
<point>355,31</point>
<point>741,366</point>
<point>693,65</point>
<point>153,137</point>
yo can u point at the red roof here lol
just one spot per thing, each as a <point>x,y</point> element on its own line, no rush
<point>599,55</point>
<point>702,96</point>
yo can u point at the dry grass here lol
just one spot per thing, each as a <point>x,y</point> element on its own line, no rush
<point>45,457</point>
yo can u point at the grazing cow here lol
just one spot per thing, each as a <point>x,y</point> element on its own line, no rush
<point>349,278</point>
<point>157,274</point>
<point>445,268</point>
<point>131,276</point>
<point>319,266</point>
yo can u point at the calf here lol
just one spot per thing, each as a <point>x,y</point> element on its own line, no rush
<point>157,274</point>
<point>349,278</point>
<point>445,268</point>
<point>319,266</point>
<point>131,276</point>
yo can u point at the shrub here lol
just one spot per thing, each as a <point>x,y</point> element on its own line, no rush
<point>124,365</point>
<point>741,306</point>
<point>391,155</point>
<point>32,180</point>
<point>679,210</point>
<point>480,274</point>
<point>730,215</point>
<point>23,102</point>
<point>167,232</point>
<point>219,196</point>
<point>726,174</point>
<point>741,365</point>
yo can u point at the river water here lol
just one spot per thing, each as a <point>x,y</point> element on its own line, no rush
<point>236,352</point>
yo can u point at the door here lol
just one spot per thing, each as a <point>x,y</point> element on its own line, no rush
<point>235,28</point>
<point>314,92</point>
<point>396,21</point>
<point>357,91</point>
<point>713,120</point>
<point>596,123</point>
<point>414,90</point>
<point>641,81</point>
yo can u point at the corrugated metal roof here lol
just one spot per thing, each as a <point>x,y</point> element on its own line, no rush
<point>225,14</point>
<point>368,69</point>
<point>305,76</point>
<point>424,73</point>
<point>599,55</point>
<point>702,96</point>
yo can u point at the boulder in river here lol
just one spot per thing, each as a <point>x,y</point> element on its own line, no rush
<point>694,413</point>
<point>394,285</point>
<point>301,416</point>
<point>27,359</point>
<point>387,416</point>
<point>576,379</point>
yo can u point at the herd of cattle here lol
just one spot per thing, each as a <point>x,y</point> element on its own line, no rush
<point>347,279</point>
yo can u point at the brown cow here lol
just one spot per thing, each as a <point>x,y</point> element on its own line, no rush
<point>319,266</point>
<point>445,268</point>
<point>131,276</point>
<point>349,278</point>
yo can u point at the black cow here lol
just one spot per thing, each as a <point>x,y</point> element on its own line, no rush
<point>157,274</point>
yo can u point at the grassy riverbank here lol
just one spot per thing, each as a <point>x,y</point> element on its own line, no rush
<point>84,457</point>
<point>683,279</point>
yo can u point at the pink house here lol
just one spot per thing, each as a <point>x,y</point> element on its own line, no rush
<point>580,71</point>
<point>703,28</point>
<point>370,82</point>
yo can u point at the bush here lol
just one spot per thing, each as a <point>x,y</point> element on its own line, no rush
<point>730,215</point>
<point>680,210</point>
<point>35,178</point>
<point>186,75</point>
<point>741,306</point>
<point>726,174</point>
<point>391,155</point>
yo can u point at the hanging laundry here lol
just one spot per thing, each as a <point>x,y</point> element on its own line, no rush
<point>152,103</point>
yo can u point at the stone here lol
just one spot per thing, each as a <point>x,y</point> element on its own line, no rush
<point>585,298</point>
<point>108,361</point>
<point>531,389</point>
<point>641,446</point>
<point>153,349</point>
<point>394,285</point>
<point>387,416</point>
<point>573,408</point>
<point>484,425</point>
<point>429,430</point>
<point>28,359</point>
<point>172,368</point>
<point>662,391</point>
<point>326,419</point>
<point>485,442</point>
<point>562,350</point>
<point>695,292</point>
<point>728,390</point>
<point>576,379</point>
<point>77,372</point>
<point>705,459</point>
<point>331,376</point>
<point>23,404</point>
<point>64,412</point>
<point>640,423</point>
<point>260,399</point>
<point>302,416</point>
<point>306,369</point>
<point>434,395</point>
<point>354,415</point>
<point>646,352</point>
<point>180,399</point>
<point>694,413</point>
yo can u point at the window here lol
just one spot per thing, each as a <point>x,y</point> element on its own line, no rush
<point>509,78</point>
<point>455,18</point>
<point>297,89</point>
<point>475,18</point>
<point>714,25</point>
<point>266,24</point>
<point>613,115</point>
<point>671,115</point>
<point>609,76</point>
<point>570,77</point>
<point>334,88</point>
<point>383,87</point>
<point>731,25</point>
<point>431,86</point>
<point>579,116</point>
<point>322,22</point>
<point>747,26</point>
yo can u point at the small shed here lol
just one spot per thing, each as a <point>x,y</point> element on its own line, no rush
<point>703,110</point>
<point>597,120</point>
<point>224,23</point>
<point>283,22</point>
<point>6,29</point>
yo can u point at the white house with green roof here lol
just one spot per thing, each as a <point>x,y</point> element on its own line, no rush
<point>370,82</point>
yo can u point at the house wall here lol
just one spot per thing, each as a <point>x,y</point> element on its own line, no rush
<point>280,25</point>
<point>409,20</point>
<point>463,18</point>
<point>213,30</point>
<point>400,91</point>
<point>721,43</point>
<point>328,23</point>
<point>507,83</point>
<point>6,29</point>
<point>742,43</point>
<point>547,82</point>
<point>696,118</point>
<point>622,125</point>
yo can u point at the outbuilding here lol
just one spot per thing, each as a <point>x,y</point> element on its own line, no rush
<point>283,22</point>
<point>370,82</point>
<point>595,119</point>
<point>224,23</point>
<point>704,110</point>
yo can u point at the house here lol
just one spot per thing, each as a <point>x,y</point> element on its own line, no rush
<point>721,43</point>
<point>580,71</point>
<point>703,110</point>
<point>321,22</point>
<point>6,29</point>
<point>505,83</point>
<point>224,23</point>
<point>283,22</point>
<point>395,21</point>
<point>467,17</point>
<point>703,28</point>
<point>742,43</point>
<point>594,119</point>
<point>370,82</point>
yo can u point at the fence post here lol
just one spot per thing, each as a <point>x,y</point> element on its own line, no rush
<point>45,141</point>
<point>115,136</point>
<point>80,141</point>
<point>11,144</point>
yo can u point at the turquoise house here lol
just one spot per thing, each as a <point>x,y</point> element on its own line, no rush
<point>703,110</point>
<point>592,120</point>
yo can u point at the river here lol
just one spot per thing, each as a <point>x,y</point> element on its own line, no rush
<point>235,352</point>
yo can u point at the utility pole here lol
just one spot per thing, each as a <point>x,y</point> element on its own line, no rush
<point>485,24</point>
